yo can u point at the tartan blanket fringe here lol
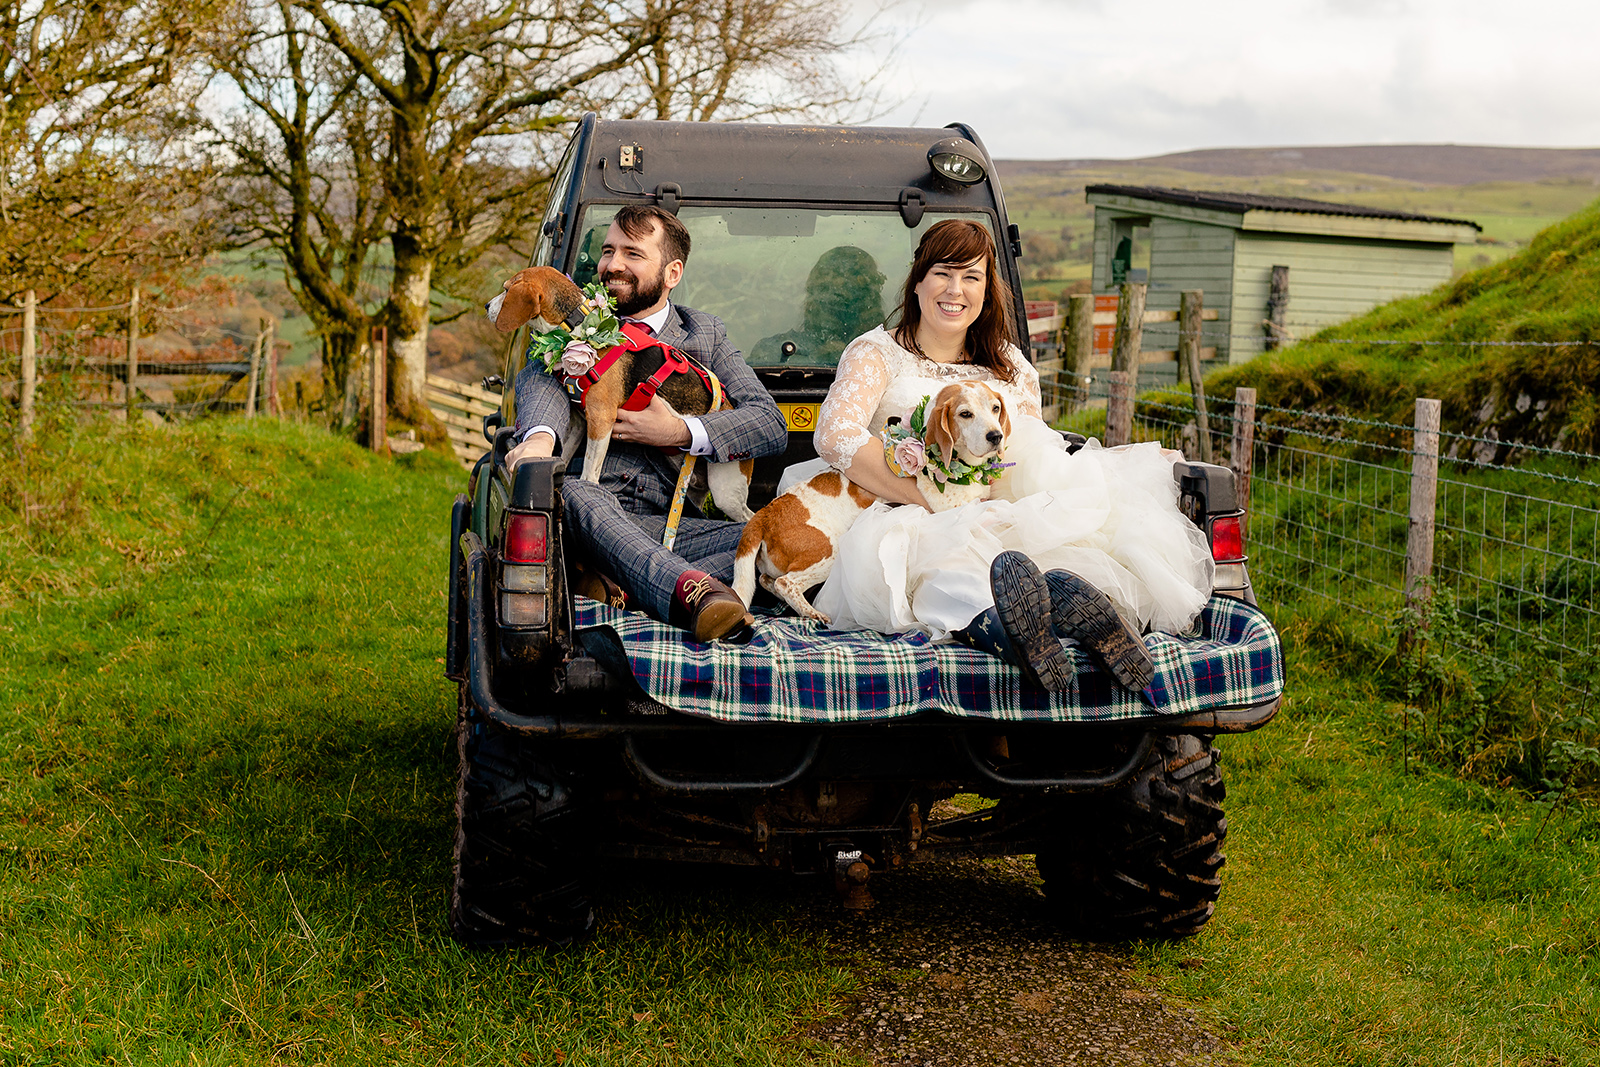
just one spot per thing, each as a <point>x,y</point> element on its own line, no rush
<point>795,671</point>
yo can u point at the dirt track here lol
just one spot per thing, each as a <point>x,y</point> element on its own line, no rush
<point>961,965</point>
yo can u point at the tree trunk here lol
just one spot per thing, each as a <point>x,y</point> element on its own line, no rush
<point>408,341</point>
<point>342,355</point>
<point>353,390</point>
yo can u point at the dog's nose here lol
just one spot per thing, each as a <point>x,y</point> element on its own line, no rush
<point>994,438</point>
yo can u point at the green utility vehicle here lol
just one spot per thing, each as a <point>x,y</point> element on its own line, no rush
<point>586,732</point>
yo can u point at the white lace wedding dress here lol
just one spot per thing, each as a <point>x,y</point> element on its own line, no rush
<point>1108,515</point>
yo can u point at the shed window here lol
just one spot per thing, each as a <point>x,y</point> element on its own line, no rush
<point>1130,250</point>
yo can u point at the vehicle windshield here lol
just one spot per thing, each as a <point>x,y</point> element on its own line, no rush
<point>793,285</point>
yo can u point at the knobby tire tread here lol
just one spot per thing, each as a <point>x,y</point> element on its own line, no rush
<point>1148,861</point>
<point>518,853</point>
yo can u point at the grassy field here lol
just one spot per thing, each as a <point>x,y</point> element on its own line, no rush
<point>1380,913</point>
<point>225,795</point>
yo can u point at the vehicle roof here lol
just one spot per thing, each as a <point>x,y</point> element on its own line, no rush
<point>735,161</point>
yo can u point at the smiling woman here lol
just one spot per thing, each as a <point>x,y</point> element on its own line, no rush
<point>1119,561</point>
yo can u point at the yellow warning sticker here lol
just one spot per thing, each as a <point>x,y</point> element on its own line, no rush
<point>800,416</point>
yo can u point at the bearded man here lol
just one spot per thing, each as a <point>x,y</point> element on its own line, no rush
<point>618,524</point>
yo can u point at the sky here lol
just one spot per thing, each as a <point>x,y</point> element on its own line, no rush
<point>1076,79</point>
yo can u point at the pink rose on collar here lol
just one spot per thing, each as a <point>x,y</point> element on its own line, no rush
<point>911,456</point>
<point>577,358</point>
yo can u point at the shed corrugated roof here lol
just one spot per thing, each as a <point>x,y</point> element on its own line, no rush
<point>1254,202</point>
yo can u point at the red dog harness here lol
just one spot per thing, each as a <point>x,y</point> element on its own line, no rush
<point>637,339</point>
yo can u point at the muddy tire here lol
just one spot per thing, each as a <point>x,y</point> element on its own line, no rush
<point>519,860</point>
<point>1147,861</point>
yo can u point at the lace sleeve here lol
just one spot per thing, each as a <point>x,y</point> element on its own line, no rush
<point>1025,381</point>
<point>852,400</point>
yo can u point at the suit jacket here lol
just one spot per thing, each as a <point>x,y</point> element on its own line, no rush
<point>641,476</point>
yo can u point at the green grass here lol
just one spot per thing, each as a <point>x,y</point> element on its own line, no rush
<point>225,817</point>
<point>1546,295</point>
<point>226,781</point>
<point>1375,916</point>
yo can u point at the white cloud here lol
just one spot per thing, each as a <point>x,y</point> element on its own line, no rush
<point>1053,80</point>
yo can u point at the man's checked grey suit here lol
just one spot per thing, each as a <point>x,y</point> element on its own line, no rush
<point>619,523</point>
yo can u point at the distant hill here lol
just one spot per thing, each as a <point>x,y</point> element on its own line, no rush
<point>1438,164</point>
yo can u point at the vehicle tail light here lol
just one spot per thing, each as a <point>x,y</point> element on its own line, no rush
<point>1227,538</point>
<point>527,538</point>
<point>524,609</point>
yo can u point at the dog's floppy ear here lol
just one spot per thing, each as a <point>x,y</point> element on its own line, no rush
<point>536,291</point>
<point>520,302</point>
<point>1005,411</point>
<point>941,431</point>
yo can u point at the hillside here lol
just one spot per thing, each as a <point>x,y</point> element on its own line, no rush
<point>1435,164</point>
<point>1457,347</point>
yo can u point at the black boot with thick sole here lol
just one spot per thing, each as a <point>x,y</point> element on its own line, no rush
<point>1086,615</point>
<point>1022,608</point>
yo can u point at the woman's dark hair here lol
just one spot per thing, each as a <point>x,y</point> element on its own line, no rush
<point>958,242</point>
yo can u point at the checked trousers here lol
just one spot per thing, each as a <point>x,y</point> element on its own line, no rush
<point>627,546</point>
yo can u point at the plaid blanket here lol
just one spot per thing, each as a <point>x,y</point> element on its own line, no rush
<point>791,670</point>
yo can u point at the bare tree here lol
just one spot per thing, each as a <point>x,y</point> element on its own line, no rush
<point>96,176</point>
<point>307,151</point>
<point>458,110</point>
<point>747,59</point>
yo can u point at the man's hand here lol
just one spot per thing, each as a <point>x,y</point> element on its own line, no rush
<point>539,446</point>
<point>657,425</point>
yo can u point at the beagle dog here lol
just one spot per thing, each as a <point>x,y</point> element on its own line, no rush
<point>544,299</point>
<point>791,543</point>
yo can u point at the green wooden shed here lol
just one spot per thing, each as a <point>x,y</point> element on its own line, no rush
<point>1342,259</point>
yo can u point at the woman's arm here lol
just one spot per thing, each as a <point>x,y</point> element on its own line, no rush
<point>871,472</point>
<point>843,437</point>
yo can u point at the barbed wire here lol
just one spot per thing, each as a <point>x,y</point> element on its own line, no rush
<point>1219,333</point>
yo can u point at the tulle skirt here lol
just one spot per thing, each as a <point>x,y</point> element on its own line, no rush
<point>1108,515</point>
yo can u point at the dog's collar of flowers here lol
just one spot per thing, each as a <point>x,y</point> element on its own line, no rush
<point>952,471</point>
<point>600,329</point>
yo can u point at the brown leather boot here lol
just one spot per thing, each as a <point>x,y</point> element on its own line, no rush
<point>589,582</point>
<point>706,608</point>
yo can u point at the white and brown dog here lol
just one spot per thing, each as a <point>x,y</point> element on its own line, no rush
<point>543,298</point>
<point>791,543</point>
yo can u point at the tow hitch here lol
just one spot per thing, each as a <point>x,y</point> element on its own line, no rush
<point>850,874</point>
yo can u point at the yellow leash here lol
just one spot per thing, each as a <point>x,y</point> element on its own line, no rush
<point>686,473</point>
<point>679,493</point>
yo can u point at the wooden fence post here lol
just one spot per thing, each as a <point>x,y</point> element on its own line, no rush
<point>1191,306</point>
<point>133,351</point>
<point>272,369</point>
<point>1119,408</point>
<point>1277,308</point>
<point>254,378</point>
<point>1419,529</point>
<point>1130,330</point>
<point>1244,442</point>
<point>30,362</point>
<point>378,423</point>
<point>1080,346</point>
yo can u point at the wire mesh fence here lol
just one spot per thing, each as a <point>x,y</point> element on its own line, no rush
<point>1514,541</point>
